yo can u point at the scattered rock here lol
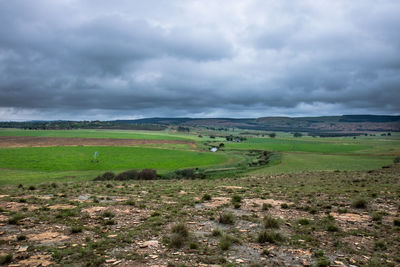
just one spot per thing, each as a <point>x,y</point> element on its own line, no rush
<point>61,207</point>
<point>37,260</point>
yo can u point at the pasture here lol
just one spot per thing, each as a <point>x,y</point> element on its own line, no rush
<point>32,156</point>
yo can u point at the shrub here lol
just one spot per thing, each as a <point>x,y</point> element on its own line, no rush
<point>396,160</point>
<point>377,216</point>
<point>270,237</point>
<point>176,240</point>
<point>108,176</point>
<point>266,206</point>
<point>179,235</point>
<point>359,203</point>
<point>4,259</point>
<point>180,229</point>
<point>107,214</point>
<point>284,206</point>
<point>226,218</point>
<point>236,199</point>
<point>127,175</point>
<point>32,187</point>
<point>147,174</point>
<point>379,245</point>
<point>216,232</point>
<point>323,262</point>
<point>21,237</point>
<point>332,228</point>
<point>16,218</point>
<point>206,197</point>
<point>130,202</point>
<point>396,222</point>
<point>270,222</point>
<point>185,174</point>
<point>193,245</point>
<point>303,221</point>
<point>76,229</point>
<point>226,242</point>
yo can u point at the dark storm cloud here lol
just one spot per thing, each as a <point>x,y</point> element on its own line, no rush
<point>100,59</point>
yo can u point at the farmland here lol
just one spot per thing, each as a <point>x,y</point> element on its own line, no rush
<point>316,201</point>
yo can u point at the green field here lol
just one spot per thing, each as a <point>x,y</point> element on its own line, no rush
<point>120,134</point>
<point>110,158</point>
<point>287,144</point>
<point>291,155</point>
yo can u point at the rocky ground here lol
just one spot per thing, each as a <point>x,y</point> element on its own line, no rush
<point>307,219</point>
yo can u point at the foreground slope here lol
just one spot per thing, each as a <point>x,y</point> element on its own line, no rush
<point>340,218</point>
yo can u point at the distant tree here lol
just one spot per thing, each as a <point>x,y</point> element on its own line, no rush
<point>297,134</point>
<point>221,145</point>
<point>183,129</point>
<point>272,135</point>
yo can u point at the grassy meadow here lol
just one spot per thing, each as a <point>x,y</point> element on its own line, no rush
<point>290,155</point>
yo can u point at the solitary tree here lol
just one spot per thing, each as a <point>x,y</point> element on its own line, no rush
<point>297,134</point>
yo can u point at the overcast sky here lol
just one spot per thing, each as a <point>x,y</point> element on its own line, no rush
<point>82,59</point>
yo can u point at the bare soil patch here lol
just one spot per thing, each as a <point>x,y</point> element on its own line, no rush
<point>35,141</point>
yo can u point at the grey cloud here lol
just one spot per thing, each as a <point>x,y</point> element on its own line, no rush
<point>131,59</point>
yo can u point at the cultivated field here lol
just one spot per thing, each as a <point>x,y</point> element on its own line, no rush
<point>318,201</point>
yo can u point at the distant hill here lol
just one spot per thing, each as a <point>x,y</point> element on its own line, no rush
<point>334,124</point>
<point>345,123</point>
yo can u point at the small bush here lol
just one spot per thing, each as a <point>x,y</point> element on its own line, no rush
<point>107,214</point>
<point>147,174</point>
<point>4,259</point>
<point>127,175</point>
<point>32,187</point>
<point>332,228</point>
<point>109,222</point>
<point>379,245</point>
<point>176,241</point>
<point>21,237</point>
<point>179,235</point>
<point>303,221</point>
<point>130,202</point>
<point>266,206</point>
<point>342,210</point>
<point>225,242</point>
<point>216,232</point>
<point>15,219</point>
<point>237,205</point>
<point>396,160</point>
<point>236,199</point>
<point>270,222</point>
<point>180,229</point>
<point>76,229</point>
<point>396,222</point>
<point>284,206</point>
<point>226,218</point>
<point>185,174</point>
<point>323,262</point>
<point>270,237</point>
<point>108,176</point>
<point>359,203</point>
<point>206,197</point>
<point>193,245</point>
<point>377,216</point>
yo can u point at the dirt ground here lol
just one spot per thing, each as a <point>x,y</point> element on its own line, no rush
<point>34,141</point>
<point>312,219</point>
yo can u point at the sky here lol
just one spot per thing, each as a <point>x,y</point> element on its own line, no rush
<point>128,59</point>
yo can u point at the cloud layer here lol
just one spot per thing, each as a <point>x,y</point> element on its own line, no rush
<point>87,59</point>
